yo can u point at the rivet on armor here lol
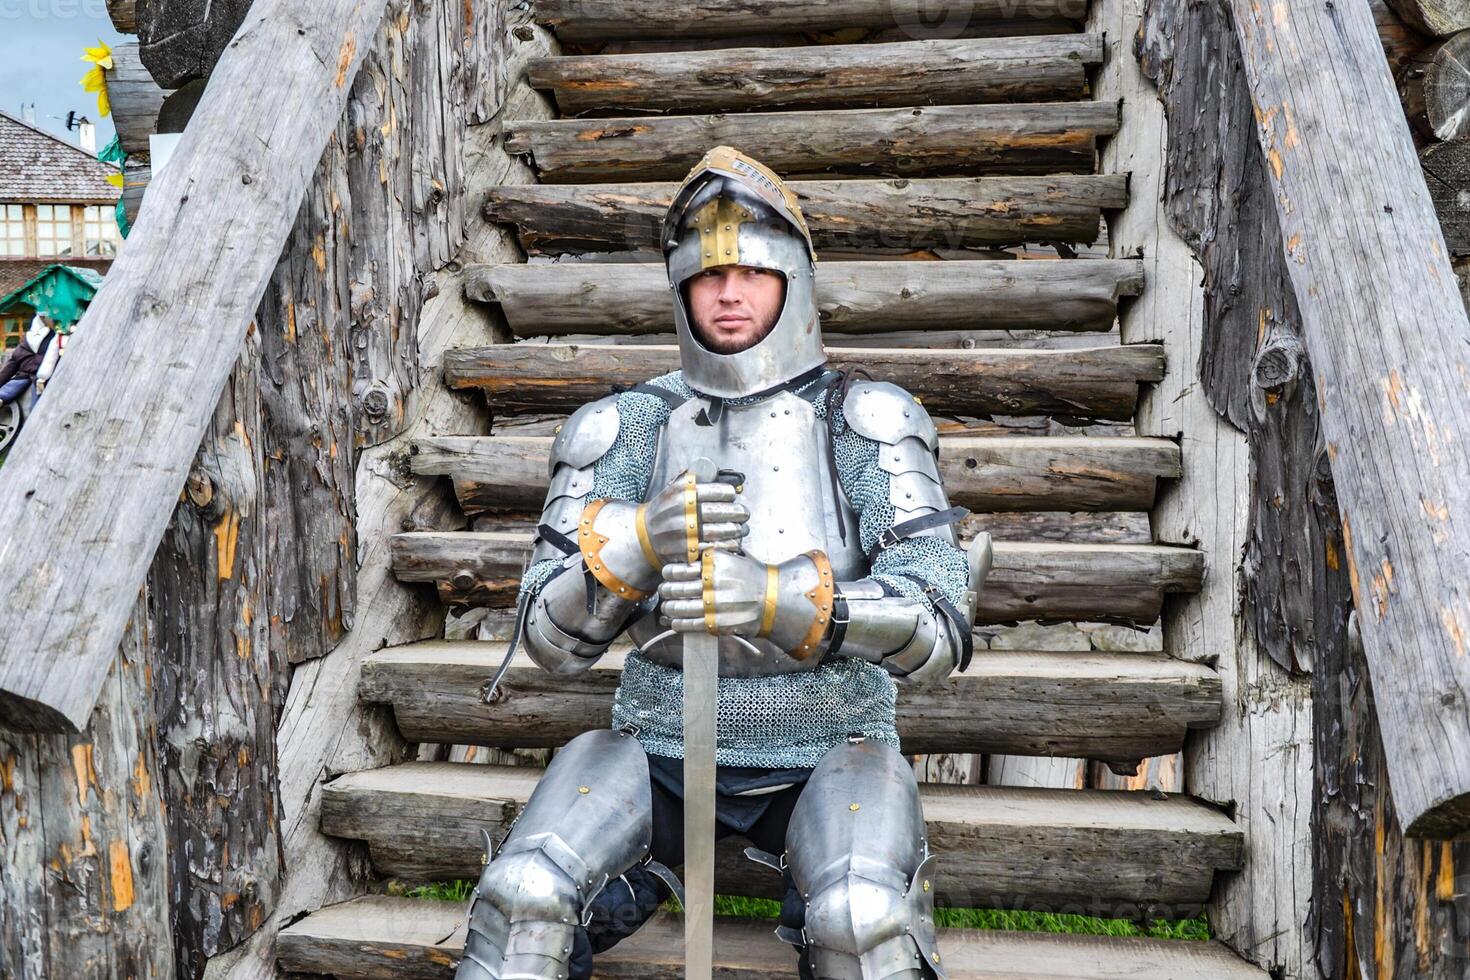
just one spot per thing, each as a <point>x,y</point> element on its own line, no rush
<point>584,790</point>
<point>926,884</point>
<point>936,957</point>
<point>855,807</point>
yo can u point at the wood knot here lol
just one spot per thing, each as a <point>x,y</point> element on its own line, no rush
<point>1278,364</point>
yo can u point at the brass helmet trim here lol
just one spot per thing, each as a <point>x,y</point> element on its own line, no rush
<point>732,210</point>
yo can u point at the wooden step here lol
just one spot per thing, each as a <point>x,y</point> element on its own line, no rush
<point>1023,138</point>
<point>888,216</point>
<point>1050,68</point>
<point>382,938</point>
<point>1101,852</point>
<point>1083,383</point>
<point>1114,707</point>
<point>1047,581</point>
<point>557,299</point>
<point>982,473</point>
<point>606,20</point>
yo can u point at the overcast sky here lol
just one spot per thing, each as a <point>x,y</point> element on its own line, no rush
<point>41,45</point>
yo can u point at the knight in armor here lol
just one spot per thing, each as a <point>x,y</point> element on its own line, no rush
<point>797,513</point>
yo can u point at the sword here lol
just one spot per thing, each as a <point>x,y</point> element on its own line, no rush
<point>701,677</point>
<point>701,684</point>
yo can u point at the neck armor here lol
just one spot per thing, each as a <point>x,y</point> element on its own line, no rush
<point>732,210</point>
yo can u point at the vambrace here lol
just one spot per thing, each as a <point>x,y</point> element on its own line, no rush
<point>912,640</point>
<point>567,629</point>
<point>903,636</point>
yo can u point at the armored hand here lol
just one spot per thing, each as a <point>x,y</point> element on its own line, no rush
<point>789,604</point>
<point>693,509</point>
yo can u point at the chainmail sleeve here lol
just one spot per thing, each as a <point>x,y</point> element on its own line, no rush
<point>927,557</point>
<point>624,471</point>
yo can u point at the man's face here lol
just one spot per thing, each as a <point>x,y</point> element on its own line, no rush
<point>735,306</point>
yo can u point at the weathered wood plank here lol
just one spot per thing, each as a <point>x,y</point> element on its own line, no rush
<point>999,847</point>
<point>603,20</point>
<point>136,100</point>
<point>1391,391</point>
<point>1019,473</point>
<point>84,882</point>
<point>554,299</point>
<point>1437,18</point>
<point>324,728</point>
<point>1119,707</point>
<point>1258,760</point>
<point>94,449</point>
<point>1091,583</point>
<point>1433,86</point>
<point>1025,138</point>
<point>384,938</point>
<point>900,215</point>
<point>844,76</point>
<point>1091,383</point>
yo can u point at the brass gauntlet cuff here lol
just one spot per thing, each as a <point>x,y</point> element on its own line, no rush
<point>797,611</point>
<point>611,545</point>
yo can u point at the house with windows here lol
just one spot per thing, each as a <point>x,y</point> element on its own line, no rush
<point>57,208</point>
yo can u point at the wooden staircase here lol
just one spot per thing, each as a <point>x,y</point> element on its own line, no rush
<point>950,186</point>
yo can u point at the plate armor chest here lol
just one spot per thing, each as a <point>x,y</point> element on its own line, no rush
<point>781,448</point>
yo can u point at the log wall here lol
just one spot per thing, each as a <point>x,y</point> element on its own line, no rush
<point>83,873</point>
<point>1256,763</point>
<point>1380,906</point>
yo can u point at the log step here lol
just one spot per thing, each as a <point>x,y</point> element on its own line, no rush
<point>381,938</point>
<point>1049,68</point>
<point>1099,852</point>
<point>982,473</point>
<point>1087,383</point>
<point>888,215</point>
<point>1022,138</point>
<point>1029,580</point>
<point>1113,707</point>
<point>558,299</point>
<point>609,20</point>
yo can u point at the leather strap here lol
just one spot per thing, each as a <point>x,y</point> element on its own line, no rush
<point>955,617</point>
<point>909,528</point>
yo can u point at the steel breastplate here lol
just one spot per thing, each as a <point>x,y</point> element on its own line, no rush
<point>781,448</point>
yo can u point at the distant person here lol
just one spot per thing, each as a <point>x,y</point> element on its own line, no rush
<point>23,365</point>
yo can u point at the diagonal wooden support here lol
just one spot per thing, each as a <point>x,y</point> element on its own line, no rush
<point>1389,341</point>
<point>89,486</point>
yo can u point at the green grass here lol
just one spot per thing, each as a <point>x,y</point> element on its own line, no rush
<point>1084,925</point>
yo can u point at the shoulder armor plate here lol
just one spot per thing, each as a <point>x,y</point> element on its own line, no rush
<point>886,413</point>
<point>587,435</point>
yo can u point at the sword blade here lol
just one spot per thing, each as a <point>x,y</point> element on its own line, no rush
<point>701,679</point>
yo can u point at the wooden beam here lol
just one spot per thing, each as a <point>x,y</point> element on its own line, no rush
<point>1364,247</point>
<point>1120,707</point>
<point>92,479</point>
<point>899,215</point>
<point>1043,850</point>
<point>1091,382</point>
<point>1029,138</point>
<point>383,938</point>
<point>983,473</point>
<point>1434,86</point>
<point>1092,583</point>
<point>1437,18</point>
<point>1050,68</point>
<point>557,299</point>
<point>605,20</point>
<point>84,873</point>
<point>136,100</point>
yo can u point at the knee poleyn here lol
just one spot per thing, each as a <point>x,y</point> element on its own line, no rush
<point>522,919</point>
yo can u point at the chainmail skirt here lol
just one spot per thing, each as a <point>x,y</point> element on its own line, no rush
<point>776,722</point>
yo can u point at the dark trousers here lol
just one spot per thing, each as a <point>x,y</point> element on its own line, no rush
<point>627,902</point>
